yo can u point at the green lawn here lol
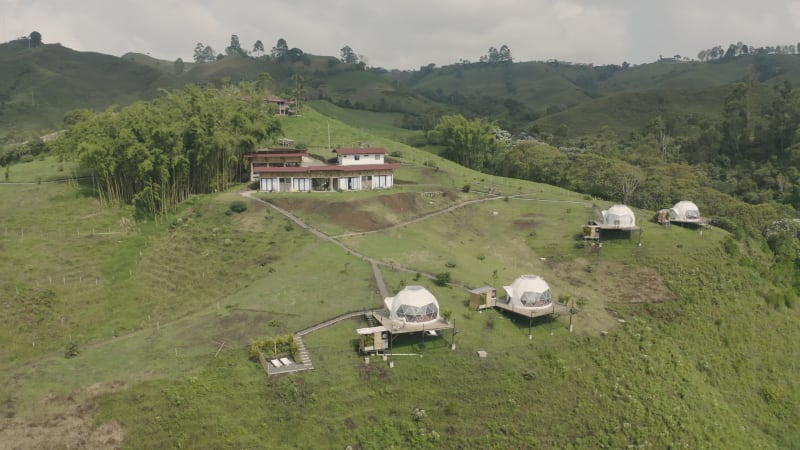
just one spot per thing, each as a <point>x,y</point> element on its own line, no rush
<point>673,345</point>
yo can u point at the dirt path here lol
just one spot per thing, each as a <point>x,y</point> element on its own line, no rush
<point>375,263</point>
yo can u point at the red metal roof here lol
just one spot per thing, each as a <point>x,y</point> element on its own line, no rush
<point>330,168</point>
<point>275,155</point>
<point>360,151</point>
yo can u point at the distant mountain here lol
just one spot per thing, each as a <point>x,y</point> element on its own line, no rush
<point>38,85</point>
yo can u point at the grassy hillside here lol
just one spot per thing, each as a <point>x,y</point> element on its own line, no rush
<point>38,85</point>
<point>673,345</point>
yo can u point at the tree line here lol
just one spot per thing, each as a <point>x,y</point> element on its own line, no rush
<point>738,49</point>
<point>155,154</point>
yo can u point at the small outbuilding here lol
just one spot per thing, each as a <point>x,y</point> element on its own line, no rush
<point>482,297</point>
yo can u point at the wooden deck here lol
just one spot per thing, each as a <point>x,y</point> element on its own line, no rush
<point>554,309</point>
<point>409,327</point>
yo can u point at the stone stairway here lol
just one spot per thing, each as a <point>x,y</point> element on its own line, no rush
<point>305,358</point>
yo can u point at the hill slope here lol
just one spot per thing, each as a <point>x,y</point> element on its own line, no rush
<point>674,344</point>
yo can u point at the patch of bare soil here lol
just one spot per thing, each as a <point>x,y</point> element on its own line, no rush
<point>352,215</point>
<point>73,427</point>
<point>628,284</point>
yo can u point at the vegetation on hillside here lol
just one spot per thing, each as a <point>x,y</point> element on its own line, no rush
<point>686,340</point>
<point>155,154</point>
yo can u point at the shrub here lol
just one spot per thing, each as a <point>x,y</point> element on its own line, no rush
<point>442,279</point>
<point>254,185</point>
<point>466,188</point>
<point>26,158</point>
<point>238,206</point>
<point>449,264</point>
<point>71,350</point>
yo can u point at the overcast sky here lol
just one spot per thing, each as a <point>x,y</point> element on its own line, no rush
<point>406,34</point>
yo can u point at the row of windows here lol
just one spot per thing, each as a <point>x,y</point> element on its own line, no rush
<point>411,313</point>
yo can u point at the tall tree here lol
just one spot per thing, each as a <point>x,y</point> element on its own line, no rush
<point>179,66</point>
<point>280,49</point>
<point>35,39</point>
<point>235,48</point>
<point>258,47</point>
<point>199,55</point>
<point>209,55</point>
<point>504,54</point>
<point>348,56</point>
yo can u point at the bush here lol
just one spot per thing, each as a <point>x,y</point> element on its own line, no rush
<point>26,158</point>
<point>254,186</point>
<point>442,279</point>
<point>71,350</point>
<point>238,206</point>
<point>466,188</point>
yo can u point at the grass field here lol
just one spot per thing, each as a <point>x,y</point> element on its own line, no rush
<point>691,354</point>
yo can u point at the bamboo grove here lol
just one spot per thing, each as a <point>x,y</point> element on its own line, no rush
<point>155,154</point>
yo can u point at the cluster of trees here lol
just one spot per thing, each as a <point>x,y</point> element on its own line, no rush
<point>495,56</point>
<point>281,51</point>
<point>738,49</point>
<point>32,40</point>
<point>348,56</point>
<point>204,53</point>
<point>155,154</point>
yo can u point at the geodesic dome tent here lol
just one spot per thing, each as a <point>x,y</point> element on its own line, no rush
<point>529,291</point>
<point>684,211</point>
<point>413,304</point>
<point>619,216</point>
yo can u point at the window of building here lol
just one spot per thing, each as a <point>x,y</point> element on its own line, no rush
<point>356,157</point>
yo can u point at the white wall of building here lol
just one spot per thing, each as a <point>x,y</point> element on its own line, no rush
<point>354,160</point>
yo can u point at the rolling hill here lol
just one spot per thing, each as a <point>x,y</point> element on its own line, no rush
<point>39,85</point>
<point>135,333</point>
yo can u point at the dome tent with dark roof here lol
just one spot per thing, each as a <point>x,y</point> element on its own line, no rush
<point>529,291</point>
<point>413,304</point>
<point>619,216</point>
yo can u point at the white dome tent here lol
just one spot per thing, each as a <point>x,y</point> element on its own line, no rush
<point>529,292</point>
<point>619,216</point>
<point>412,310</point>
<point>414,304</point>
<point>684,211</point>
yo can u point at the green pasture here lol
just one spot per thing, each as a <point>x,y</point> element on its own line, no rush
<point>673,342</point>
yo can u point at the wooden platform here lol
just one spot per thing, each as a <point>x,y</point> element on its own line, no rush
<point>394,327</point>
<point>553,309</point>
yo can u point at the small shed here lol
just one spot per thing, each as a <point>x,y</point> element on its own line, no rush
<point>372,339</point>
<point>482,297</point>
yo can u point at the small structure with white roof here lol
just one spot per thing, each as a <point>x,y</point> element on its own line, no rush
<point>683,212</point>
<point>413,309</point>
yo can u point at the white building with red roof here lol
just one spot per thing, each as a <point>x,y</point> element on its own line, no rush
<point>289,170</point>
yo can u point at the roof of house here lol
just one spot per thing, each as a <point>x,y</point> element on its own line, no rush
<point>278,100</point>
<point>328,168</point>
<point>276,155</point>
<point>360,151</point>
